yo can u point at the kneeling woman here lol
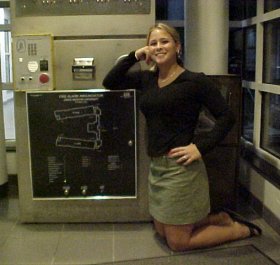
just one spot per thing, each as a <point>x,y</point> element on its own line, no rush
<point>171,101</point>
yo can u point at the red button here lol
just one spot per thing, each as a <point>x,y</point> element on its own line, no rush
<point>44,78</point>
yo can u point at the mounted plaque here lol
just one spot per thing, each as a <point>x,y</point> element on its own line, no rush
<point>82,144</point>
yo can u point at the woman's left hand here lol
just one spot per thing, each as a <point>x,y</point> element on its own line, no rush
<point>186,154</point>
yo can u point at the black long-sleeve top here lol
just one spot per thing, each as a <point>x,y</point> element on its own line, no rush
<point>172,111</point>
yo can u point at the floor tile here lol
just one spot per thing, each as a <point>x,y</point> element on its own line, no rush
<point>136,242</point>
<point>83,248</point>
<point>9,209</point>
<point>6,226</point>
<point>268,246</point>
<point>95,230</point>
<point>3,238</point>
<point>30,250</point>
<point>84,244</point>
<point>37,228</point>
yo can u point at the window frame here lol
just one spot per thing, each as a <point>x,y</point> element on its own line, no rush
<point>257,85</point>
<point>10,143</point>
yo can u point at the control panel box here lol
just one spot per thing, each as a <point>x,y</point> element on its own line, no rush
<point>81,7</point>
<point>72,18</point>
<point>86,146</point>
<point>33,62</point>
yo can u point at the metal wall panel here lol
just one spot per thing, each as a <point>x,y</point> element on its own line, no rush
<point>101,38</point>
<point>83,25</point>
<point>105,53</point>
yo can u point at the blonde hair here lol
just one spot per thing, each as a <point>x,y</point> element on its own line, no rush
<point>172,32</point>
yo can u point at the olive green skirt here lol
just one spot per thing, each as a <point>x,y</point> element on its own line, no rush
<point>178,194</point>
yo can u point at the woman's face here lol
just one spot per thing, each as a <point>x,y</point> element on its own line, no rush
<point>162,47</point>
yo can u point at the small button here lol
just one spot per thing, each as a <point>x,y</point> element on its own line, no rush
<point>84,190</point>
<point>66,190</point>
<point>44,78</point>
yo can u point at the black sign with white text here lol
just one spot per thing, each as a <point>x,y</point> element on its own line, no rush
<point>82,143</point>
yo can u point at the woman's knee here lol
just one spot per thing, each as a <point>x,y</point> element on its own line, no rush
<point>177,244</point>
<point>178,237</point>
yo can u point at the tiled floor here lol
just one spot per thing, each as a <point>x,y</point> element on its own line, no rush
<point>52,244</point>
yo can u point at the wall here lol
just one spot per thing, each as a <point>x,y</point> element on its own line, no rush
<point>265,197</point>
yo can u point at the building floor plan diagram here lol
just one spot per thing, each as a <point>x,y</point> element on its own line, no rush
<point>83,143</point>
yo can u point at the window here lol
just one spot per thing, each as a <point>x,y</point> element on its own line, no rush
<point>172,13</point>
<point>5,39</point>
<point>270,5</point>
<point>170,10</point>
<point>249,64</point>
<point>235,51</point>
<point>250,8</point>
<point>270,125</point>
<point>258,41</point>
<point>248,102</point>
<point>242,9</point>
<point>242,52</point>
<point>6,73</point>
<point>271,73</point>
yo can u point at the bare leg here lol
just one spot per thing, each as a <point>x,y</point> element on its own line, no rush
<point>159,227</point>
<point>219,219</point>
<point>186,237</point>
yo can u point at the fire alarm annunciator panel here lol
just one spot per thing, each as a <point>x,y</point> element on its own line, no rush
<point>33,62</point>
<point>81,7</point>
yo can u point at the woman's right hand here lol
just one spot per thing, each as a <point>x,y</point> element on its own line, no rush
<point>144,54</point>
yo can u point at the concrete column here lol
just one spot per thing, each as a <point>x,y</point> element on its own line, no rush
<point>206,32</point>
<point>3,160</point>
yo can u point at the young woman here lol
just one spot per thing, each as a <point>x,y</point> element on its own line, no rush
<point>171,100</point>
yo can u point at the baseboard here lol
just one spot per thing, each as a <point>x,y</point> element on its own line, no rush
<point>260,208</point>
<point>4,190</point>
